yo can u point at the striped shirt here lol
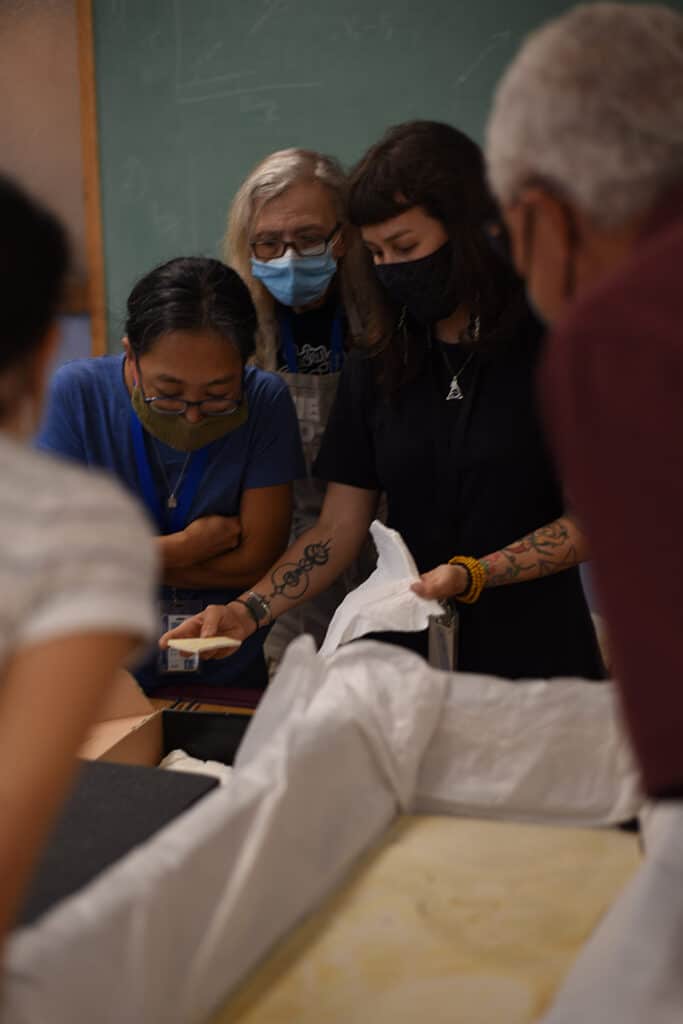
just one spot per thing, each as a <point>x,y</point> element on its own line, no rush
<point>75,553</point>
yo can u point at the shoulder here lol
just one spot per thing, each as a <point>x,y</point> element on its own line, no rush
<point>262,386</point>
<point>76,553</point>
<point>635,304</point>
<point>55,496</point>
<point>86,374</point>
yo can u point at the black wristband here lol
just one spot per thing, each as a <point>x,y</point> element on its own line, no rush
<point>238,600</point>
<point>257,606</point>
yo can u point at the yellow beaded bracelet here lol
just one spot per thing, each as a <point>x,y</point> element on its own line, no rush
<point>477,575</point>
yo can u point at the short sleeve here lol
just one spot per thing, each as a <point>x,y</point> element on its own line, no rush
<point>347,452</point>
<point>59,433</point>
<point>275,455</point>
<point>95,569</point>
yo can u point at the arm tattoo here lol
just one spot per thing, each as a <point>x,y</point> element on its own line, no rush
<point>541,553</point>
<point>291,579</point>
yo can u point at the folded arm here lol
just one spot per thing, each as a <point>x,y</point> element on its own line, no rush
<point>265,518</point>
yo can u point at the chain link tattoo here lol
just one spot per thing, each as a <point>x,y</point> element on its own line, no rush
<point>291,579</point>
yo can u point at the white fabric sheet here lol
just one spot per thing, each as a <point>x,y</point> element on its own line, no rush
<point>631,970</point>
<point>337,747</point>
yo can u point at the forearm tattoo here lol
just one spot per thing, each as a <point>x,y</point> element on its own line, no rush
<point>544,552</point>
<point>291,579</point>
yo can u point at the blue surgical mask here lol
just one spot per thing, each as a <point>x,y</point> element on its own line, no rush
<point>296,280</point>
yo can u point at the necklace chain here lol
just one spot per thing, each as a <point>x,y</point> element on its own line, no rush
<point>454,389</point>
<point>171,500</point>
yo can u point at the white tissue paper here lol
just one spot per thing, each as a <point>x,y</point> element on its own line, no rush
<point>338,746</point>
<point>180,761</point>
<point>385,601</point>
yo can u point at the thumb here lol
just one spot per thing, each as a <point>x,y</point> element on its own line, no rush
<point>421,588</point>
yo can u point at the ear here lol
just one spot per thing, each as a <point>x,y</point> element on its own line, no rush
<point>552,216</point>
<point>131,363</point>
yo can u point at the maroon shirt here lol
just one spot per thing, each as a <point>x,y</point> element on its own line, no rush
<point>612,386</point>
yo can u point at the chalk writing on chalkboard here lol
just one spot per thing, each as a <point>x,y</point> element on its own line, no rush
<point>270,7</point>
<point>246,90</point>
<point>494,43</point>
<point>194,85</point>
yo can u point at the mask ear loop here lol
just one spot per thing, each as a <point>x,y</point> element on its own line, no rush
<point>402,329</point>
<point>572,246</point>
<point>137,376</point>
<point>528,227</point>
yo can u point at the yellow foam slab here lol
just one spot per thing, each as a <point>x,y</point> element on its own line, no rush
<point>198,644</point>
<point>448,920</point>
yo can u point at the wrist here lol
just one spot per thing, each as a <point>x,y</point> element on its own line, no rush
<point>256,607</point>
<point>247,620</point>
<point>463,578</point>
<point>476,578</point>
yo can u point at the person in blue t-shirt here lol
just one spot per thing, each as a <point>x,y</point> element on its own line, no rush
<point>211,447</point>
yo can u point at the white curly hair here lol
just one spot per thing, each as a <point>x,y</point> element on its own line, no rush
<point>593,106</point>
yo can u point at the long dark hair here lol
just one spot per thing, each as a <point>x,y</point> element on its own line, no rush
<point>437,167</point>
<point>34,259</point>
<point>191,293</point>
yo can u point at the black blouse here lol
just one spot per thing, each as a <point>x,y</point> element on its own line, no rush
<point>468,477</point>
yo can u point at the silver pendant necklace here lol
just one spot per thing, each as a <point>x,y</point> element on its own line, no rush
<point>454,390</point>
<point>471,333</point>
<point>172,500</point>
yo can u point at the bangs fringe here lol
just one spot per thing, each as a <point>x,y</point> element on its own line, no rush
<point>374,194</point>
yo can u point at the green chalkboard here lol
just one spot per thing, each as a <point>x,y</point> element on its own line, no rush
<point>192,93</point>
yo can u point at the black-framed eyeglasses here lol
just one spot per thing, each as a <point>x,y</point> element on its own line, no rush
<point>178,406</point>
<point>303,245</point>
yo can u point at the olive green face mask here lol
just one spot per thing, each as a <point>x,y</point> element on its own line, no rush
<point>178,433</point>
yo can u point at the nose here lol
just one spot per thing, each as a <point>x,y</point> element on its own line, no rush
<point>193,415</point>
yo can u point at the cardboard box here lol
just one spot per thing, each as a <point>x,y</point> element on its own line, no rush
<point>120,800</point>
<point>130,731</point>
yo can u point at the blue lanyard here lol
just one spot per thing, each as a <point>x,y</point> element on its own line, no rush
<point>289,348</point>
<point>169,520</point>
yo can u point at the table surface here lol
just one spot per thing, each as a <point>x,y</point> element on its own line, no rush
<point>450,919</point>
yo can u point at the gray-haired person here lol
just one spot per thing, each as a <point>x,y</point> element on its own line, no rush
<point>585,152</point>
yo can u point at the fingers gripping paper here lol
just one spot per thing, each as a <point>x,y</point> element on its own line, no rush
<point>385,601</point>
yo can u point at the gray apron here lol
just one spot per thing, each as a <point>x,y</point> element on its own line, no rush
<point>313,395</point>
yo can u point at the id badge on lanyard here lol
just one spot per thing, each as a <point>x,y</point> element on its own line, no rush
<point>170,520</point>
<point>174,613</point>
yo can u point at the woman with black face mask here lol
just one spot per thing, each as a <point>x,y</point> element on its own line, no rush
<point>442,418</point>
